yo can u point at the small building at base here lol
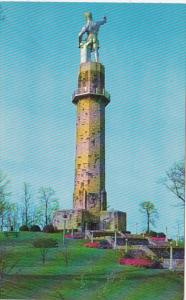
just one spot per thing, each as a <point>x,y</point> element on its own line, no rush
<point>81,220</point>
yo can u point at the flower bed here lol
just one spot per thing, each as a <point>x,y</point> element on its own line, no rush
<point>92,245</point>
<point>69,236</point>
<point>158,239</point>
<point>74,236</point>
<point>138,262</point>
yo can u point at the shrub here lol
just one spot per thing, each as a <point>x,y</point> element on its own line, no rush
<point>161,234</point>
<point>156,264</point>
<point>104,244</point>
<point>129,254</point>
<point>156,234</point>
<point>49,228</point>
<point>152,233</point>
<point>35,228</point>
<point>136,253</point>
<point>45,243</point>
<point>24,228</point>
<point>92,245</point>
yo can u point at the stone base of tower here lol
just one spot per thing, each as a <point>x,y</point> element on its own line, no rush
<point>81,220</point>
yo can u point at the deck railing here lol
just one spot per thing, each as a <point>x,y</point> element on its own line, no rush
<point>94,91</point>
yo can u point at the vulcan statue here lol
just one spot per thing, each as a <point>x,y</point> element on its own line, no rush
<point>91,44</point>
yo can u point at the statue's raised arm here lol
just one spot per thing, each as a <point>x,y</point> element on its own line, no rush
<point>91,43</point>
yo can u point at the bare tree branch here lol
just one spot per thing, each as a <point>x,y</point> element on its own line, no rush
<point>175,180</point>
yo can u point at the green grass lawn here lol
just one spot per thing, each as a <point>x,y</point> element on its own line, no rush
<point>89,274</point>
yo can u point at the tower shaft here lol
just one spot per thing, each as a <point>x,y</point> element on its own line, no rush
<point>91,99</point>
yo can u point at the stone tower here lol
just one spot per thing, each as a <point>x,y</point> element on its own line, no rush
<point>89,198</point>
<point>91,100</point>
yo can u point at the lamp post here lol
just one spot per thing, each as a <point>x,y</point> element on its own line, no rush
<point>126,245</point>
<point>166,233</point>
<point>104,224</point>
<point>136,225</point>
<point>176,240</point>
<point>115,239</point>
<point>92,237</point>
<point>178,232</point>
<point>171,258</point>
<point>64,227</point>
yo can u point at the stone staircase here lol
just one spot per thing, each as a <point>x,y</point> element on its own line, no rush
<point>158,243</point>
<point>109,236</point>
<point>110,241</point>
<point>146,249</point>
<point>88,235</point>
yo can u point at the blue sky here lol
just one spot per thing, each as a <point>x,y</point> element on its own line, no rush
<point>142,48</point>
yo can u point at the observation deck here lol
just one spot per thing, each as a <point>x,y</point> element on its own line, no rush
<point>83,92</point>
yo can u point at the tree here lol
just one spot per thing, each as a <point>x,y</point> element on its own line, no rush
<point>49,203</point>
<point>66,254</point>
<point>12,216</point>
<point>4,195</point>
<point>3,207</point>
<point>26,206</point>
<point>36,215</point>
<point>175,180</point>
<point>148,208</point>
<point>6,266</point>
<point>44,245</point>
<point>2,17</point>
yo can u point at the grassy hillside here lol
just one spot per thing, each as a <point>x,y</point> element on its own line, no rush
<point>76,272</point>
